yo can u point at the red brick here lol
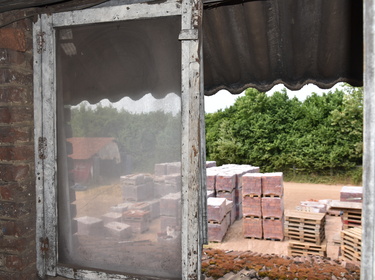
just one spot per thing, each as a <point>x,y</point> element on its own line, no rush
<point>272,207</point>
<point>226,194</point>
<point>216,209</point>
<point>273,229</point>
<point>14,77</point>
<point>251,206</point>
<point>226,181</point>
<point>20,228</point>
<point>252,227</point>
<point>10,209</point>
<point>16,95</point>
<point>12,57</point>
<point>16,114</point>
<point>13,38</point>
<point>216,231</point>
<point>10,134</point>
<point>11,244</point>
<point>252,184</point>
<point>17,153</point>
<point>16,191</point>
<point>20,261</point>
<point>9,172</point>
<point>272,184</point>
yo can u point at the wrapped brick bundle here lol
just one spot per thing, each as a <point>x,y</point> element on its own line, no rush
<point>251,206</point>
<point>211,179</point>
<point>111,217</point>
<point>216,208</point>
<point>351,194</point>
<point>226,181</point>
<point>252,184</point>
<point>137,187</point>
<point>217,231</point>
<point>272,184</point>
<point>139,220</point>
<point>118,230</point>
<point>170,204</point>
<point>89,226</point>
<point>272,207</point>
<point>273,229</point>
<point>252,228</point>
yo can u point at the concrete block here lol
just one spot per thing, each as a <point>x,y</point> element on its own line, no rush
<point>118,230</point>
<point>89,225</point>
<point>111,217</point>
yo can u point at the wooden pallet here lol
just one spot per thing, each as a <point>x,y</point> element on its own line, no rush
<point>303,226</point>
<point>351,218</point>
<point>307,218</point>
<point>305,249</point>
<point>317,240</point>
<point>351,240</point>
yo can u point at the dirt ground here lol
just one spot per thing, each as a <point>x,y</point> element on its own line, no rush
<point>97,201</point>
<point>293,194</point>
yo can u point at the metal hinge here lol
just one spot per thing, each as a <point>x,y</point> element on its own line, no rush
<point>42,147</point>
<point>41,42</point>
<point>44,244</point>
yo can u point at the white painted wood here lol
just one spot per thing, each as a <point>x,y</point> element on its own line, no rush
<point>49,133</point>
<point>118,13</point>
<point>191,145</point>
<point>38,121</point>
<point>368,212</point>
<point>83,274</point>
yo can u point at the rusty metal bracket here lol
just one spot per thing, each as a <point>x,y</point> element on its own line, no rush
<point>44,245</point>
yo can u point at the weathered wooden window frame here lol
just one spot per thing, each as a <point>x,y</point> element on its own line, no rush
<point>193,154</point>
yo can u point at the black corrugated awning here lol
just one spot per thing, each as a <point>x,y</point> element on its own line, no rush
<point>262,43</point>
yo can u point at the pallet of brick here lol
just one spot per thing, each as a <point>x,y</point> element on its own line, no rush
<point>137,187</point>
<point>173,181</point>
<point>272,207</point>
<point>351,218</point>
<point>118,230</point>
<point>351,240</point>
<point>226,181</point>
<point>217,209</point>
<point>211,179</point>
<point>111,217</point>
<point>305,226</point>
<point>252,184</point>
<point>154,208</point>
<point>216,231</point>
<point>296,248</point>
<point>251,206</point>
<point>230,195</point>
<point>272,184</point>
<point>89,226</point>
<point>139,220</point>
<point>273,229</point>
<point>210,164</point>
<point>170,204</point>
<point>169,222</point>
<point>252,227</point>
<point>122,207</point>
<point>351,194</point>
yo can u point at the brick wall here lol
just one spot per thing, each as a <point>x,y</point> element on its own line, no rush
<point>17,187</point>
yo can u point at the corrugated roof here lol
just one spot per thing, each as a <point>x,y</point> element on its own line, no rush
<point>87,147</point>
<point>261,43</point>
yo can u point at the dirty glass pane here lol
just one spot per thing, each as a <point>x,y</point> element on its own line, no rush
<point>119,147</point>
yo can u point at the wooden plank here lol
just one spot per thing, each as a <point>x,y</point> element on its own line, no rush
<point>305,217</point>
<point>337,204</point>
<point>118,13</point>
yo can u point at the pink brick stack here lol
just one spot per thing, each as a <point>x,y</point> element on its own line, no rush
<point>263,201</point>
<point>226,182</point>
<point>218,216</point>
<point>351,194</point>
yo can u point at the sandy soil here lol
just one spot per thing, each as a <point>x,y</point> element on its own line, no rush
<point>97,201</point>
<point>293,194</point>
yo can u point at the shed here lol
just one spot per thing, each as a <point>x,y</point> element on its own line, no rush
<point>94,158</point>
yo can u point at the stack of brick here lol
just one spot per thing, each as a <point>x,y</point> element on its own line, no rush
<point>218,216</point>
<point>351,194</point>
<point>228,184</point>
<point>263,207</point>
<point>251,205</point>
<point>170,212</point>
<point>167,178</point>
<point>137,187</point>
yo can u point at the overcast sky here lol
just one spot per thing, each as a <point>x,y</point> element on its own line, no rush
<point>224,99</point>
